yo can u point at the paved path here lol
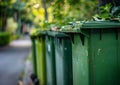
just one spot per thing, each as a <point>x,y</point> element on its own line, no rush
<point>12,59</point>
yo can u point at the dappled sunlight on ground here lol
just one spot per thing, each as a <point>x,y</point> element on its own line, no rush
<point>23,42</point>
<point>20,43</point>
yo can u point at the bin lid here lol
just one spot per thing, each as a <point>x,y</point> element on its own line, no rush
<point>79,26</point>
<point>76,27</point>
<point>56,34</point>
<point>41,33</point>
<point>38,34</point>
<point>100,24</point>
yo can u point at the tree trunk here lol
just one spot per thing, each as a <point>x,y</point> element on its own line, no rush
<point>45,8</point>
<point>19,22</point>
<point>4,16</point>
<point>4,22</point>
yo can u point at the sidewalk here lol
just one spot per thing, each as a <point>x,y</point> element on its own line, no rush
<point>12,60</point>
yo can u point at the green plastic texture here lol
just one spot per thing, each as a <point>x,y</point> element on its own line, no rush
<point>63,58</point>
<point>100,24</point>
<point>34,56</point>
<point>79,26</point>
<point>50,60</point>
<point>56,34</point>
<point>118,56</point>
<point>40,59</point>
<point>72,59</point>
<point>104,57</point>
<point>95,58</point>
<point>80,59</point>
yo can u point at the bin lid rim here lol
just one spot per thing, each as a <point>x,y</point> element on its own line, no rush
<point>56,34</point>
<point>100,24</point>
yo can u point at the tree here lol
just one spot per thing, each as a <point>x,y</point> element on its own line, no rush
<point>18,7</point>
<point>4,8</point>
<point>45,9</point>
<point>69,10</point>
<point>7,9</point>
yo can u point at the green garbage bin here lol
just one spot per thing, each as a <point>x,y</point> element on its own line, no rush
<point>50,60</point>
<point>63,55</point>
<point>33,38</point>
<point>40,58</point>
<point>95,54</point>
<point>103,52</point>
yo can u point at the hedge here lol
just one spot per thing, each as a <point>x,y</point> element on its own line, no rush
<point>4,38</point>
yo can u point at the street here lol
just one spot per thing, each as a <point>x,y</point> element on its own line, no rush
<point>12,61</point>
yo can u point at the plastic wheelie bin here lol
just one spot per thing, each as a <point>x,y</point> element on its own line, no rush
<point>103,52</point>
<point>63,55</point>
<point>95,54</point>
<point>40,57</point>
<point>34,63</point>
<point>50,59</point>
<point>58,60</point>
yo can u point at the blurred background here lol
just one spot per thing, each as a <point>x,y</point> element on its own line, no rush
<point>19,18</point>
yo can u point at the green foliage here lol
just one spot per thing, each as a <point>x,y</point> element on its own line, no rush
<point>14,37</point>
<point>18,6</point>
<point>27,17</point>
<point>115,12</point>
<point>6,7</point>
<point>0,23</point>
<point>11,26</point>
<point>108,12</point>
<point>73,10</point>
<point>105,11</point>
<point>59,1</point>
<point>73,2</point>
<point>4,38</point>
<point>63,11</point>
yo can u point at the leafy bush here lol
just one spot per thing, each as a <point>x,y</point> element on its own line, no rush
<point>11,26</point>
<point>4,38</point>
<point>15,37</point>
<point>65,11</point>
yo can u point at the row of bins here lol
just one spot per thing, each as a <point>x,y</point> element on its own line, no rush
<point>89,55</point>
